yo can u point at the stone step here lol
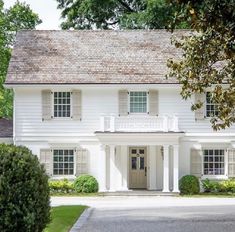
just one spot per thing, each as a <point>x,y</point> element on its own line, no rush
<point>137,193</point>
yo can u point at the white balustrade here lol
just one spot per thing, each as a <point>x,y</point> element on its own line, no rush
<point>139,123</point>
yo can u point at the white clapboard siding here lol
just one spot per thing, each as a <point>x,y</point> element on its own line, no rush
<point>76,105</point>
<point>46,158</point>
<point>195,163</point>
<point>153,102</point>
<point>97,102</point>
<point>46,105</point>
<point>200,113</point>
<point>123,102</point>
<point>81,161</point>
<point>231,163</point>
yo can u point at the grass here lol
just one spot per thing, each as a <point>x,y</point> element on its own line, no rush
<point>222,195</point>
<point>63,217</point>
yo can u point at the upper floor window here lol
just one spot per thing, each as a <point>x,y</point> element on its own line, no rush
<point>211,107</point>
<point>63,162</point>
<point>213,162</point>
<point>62,104</point>
<point>138,102</point>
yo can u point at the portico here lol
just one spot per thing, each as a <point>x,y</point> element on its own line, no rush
<point>139,161</point>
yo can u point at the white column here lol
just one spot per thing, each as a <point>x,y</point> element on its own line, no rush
<point>102,169</point>
<point>112,169</point>
<point>152,167</point>
<point>176,168</point>
<point>124,155</point>
<point>166,169</point>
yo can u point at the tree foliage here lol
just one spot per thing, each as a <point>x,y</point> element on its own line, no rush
<point>120,14</point>
<point>208,62</point>
<point>17,17</point>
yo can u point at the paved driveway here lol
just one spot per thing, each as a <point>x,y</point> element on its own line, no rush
<point>158,214</point>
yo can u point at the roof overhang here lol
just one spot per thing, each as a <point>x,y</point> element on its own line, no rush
<point>139,138</point>
<point>97,85</point>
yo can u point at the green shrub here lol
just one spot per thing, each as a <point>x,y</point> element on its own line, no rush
<point>61,186</point>
<point>227,186</point>
<point>189,184</point>
<point>211,186</point>
<point>24,191</point>
<point>86,184</point>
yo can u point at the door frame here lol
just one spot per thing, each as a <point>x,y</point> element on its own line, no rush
<point>129,165</point>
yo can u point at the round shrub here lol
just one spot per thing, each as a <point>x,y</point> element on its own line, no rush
<point>86,184</point>
<point>189,184</point>
<point>24,191</point>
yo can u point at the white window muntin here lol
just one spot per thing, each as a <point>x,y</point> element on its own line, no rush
<point>63,162</point>
<point>214,162</point>
<point>138,102</point>
<point>211,107</point>
<point>62,104</point>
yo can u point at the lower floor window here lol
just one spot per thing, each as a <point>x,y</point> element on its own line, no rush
<point>213,162</point>
<point>63,162</point>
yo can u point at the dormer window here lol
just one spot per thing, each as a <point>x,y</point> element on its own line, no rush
<point>211,107</point>
<point>138,102</point>
<point>62,104</point>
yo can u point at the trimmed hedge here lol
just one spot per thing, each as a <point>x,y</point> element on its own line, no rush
<point>189,184</point>
<point>86,184</point>
<point>24,191</point>
<point>61,186</point>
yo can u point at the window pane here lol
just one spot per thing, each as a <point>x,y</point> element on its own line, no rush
<point>62,104</point>
<point>133,163</point>
<point>141,163</point>
<point>138,102</point>
<point>213,162</point>
<point>63,162</point>
<point>211,107</point>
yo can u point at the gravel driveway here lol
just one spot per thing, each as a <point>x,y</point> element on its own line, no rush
<point>158,214</point>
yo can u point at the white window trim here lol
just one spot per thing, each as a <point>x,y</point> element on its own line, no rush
<point>53,105</point>
<point>129,104</point>
<point>215,177</point>
<point>74,164</point>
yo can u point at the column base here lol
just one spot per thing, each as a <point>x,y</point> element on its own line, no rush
<point>166,191</point>
<point>102,190</point>
<point>176,191</point>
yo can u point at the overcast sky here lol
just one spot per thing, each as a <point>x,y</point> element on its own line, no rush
<point>46,9</point>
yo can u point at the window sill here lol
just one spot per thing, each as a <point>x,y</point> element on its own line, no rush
<point>214,177</point>
<point>62,119</point>
<point>61,177</point>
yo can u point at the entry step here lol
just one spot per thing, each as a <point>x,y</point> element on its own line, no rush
<point>138,193</point>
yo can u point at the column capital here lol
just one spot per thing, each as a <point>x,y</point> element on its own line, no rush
<point>103,147</point>
<point>112,146</point>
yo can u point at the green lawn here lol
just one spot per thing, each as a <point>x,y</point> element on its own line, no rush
<point>222,195</point>
<point>63,217</point>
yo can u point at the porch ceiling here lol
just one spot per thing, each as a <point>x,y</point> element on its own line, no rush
<point>139,138</point>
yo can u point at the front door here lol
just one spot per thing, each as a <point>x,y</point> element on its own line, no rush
<point>138,170</point>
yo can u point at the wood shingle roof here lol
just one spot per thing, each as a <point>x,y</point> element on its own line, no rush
<point>91,57</point>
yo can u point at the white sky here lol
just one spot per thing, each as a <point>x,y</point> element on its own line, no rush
<point>46,9</point>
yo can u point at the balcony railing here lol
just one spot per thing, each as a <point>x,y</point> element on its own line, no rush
<point>138,123</point>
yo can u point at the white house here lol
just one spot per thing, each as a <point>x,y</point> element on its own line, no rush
<point>98,102</point>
